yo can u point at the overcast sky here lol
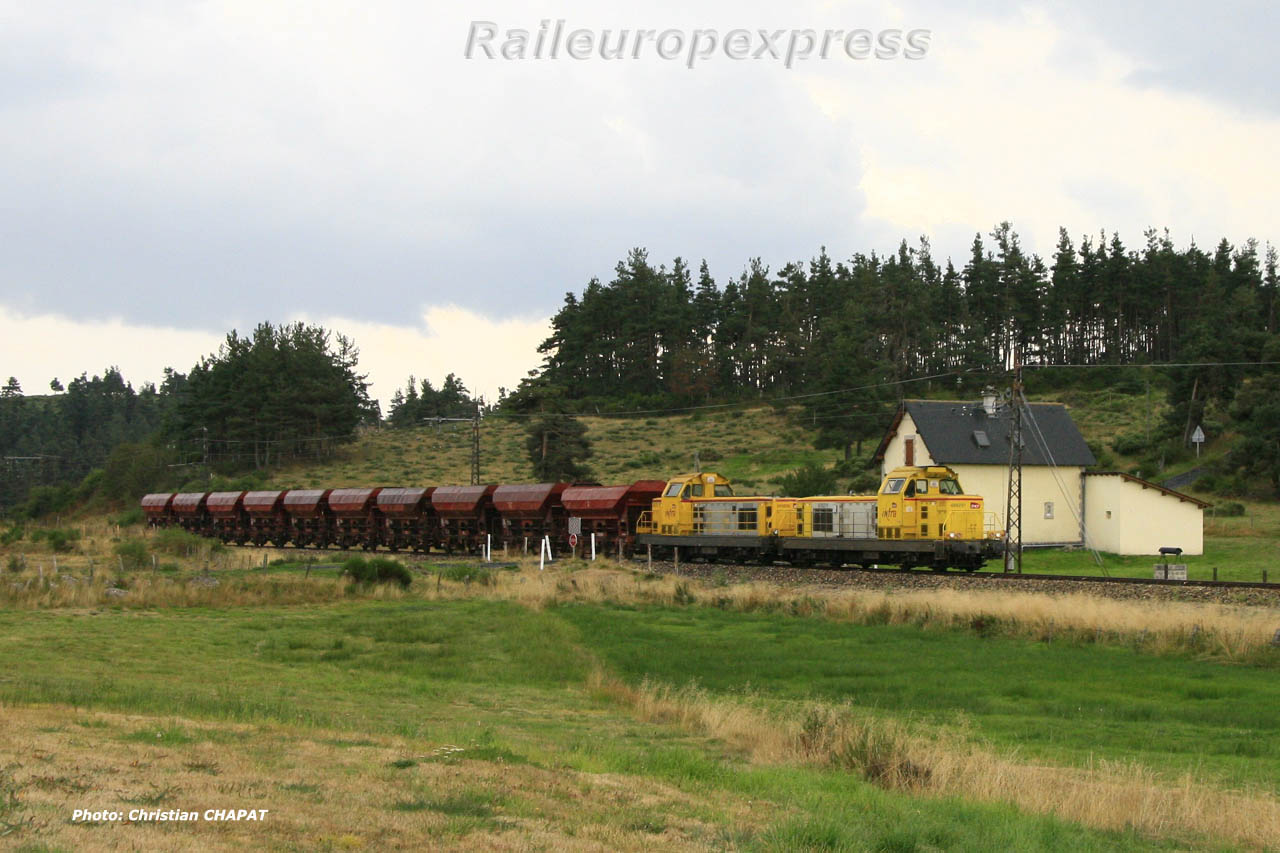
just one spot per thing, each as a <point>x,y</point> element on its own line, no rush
<point>172,170</point>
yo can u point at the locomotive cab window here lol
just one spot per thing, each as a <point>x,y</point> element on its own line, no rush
<point>949,487</point>
<point>893,486</point>
<point>723,490</point>
<point>922,487</point>
<point>697,490</point>
<point>673,490</point>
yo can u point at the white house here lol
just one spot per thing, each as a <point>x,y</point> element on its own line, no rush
<point>1062,504</point>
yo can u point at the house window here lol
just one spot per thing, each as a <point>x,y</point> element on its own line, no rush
<point>1048,509</point>
<point>1108,513</point>
<point>909,450</point>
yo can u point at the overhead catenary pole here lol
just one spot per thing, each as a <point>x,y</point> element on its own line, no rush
<point>1013,502</point>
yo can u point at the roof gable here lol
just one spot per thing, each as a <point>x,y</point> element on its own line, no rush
<point>960,433</point>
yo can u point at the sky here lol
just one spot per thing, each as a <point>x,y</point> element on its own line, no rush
<point>173,170</point>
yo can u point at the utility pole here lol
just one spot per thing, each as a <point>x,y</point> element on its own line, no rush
<point>475,448</point>
<point>1013,504</point>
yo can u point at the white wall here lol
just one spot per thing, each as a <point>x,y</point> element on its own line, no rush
<point>895,454</point>
<point>1123,517</point>
<point>1039,486</point>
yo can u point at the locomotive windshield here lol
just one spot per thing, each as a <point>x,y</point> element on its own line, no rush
<point>893,486</point>
<point>949,487</point>
<point>723,490</point>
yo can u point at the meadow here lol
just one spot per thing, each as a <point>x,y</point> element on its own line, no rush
<point>600,707</point>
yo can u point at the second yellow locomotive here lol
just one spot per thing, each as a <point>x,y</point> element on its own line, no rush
<point>919,517</point>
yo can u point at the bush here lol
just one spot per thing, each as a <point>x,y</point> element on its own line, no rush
<point>13,535</point>
<point>1127,444</point>
<point>129,518</point>
<point>60,539</point>
<point>377,570</point>
<point>15,563</point>
<point>1231,509</point>
<point>865,483</point>
<point>133,553</point>
<point>46,500</point>
<point>176,541</point>
<point>810,480</point>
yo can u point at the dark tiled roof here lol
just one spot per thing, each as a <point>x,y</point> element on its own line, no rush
<point>954,434</point>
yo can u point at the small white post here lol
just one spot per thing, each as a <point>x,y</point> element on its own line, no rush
<point>120,557</point>
<point>676,549</point>
<point>651,559</point>
<point>55,567</point>
<point>542,555</point>
<point>526,544</point>
<point>488,547</point>
<point>154,565</point>
<point>593,546</point>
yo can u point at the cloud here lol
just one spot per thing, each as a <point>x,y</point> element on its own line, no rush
<point>485,353</point>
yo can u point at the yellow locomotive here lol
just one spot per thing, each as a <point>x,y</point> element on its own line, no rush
<point>919,517</point>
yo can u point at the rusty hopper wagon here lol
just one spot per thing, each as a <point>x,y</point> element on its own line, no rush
<point>356,519</point>
<point>190,512</point>
<point>611,512</point>
<point>409,521</point>
<point>267,520</point>
<point>467,515</point>
<point>228,519</point>
<point>309,518</point>
<point>158,509</point>
<point>530,512</point>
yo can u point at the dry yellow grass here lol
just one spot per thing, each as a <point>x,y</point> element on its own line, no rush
<point>1106,796</point>
<point>1215,631</point>
<point>323,792</point>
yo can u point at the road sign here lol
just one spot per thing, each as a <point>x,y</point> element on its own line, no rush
<point>1197,438</point>
<point>573,540</point>
<point>575,524</point>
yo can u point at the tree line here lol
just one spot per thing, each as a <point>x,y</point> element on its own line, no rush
<point>663,337</point>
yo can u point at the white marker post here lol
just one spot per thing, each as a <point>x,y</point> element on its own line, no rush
<point>593,547</point>
<point>488,547</point>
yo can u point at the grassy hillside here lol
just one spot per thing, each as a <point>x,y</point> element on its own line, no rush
<point>753,448</point>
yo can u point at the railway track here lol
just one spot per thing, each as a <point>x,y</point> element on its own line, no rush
<point>703,569</point>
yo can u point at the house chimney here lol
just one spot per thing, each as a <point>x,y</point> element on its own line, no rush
<point>989,398</point>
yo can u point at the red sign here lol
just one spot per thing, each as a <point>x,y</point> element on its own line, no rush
<point>573,540</point>
<point>974,505</point>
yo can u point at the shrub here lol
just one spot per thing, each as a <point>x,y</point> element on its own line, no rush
<point>810,480</point>
<point>15,563</point>
<point>129,518</point>
<point>13,535</point>
<point>60,539</point>
<point>1231,509</point>
<point>179,542</point>
<point>377,570</point>
<point>133,553</point>
<point>1127,444</point>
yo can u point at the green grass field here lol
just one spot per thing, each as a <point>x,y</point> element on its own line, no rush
<point>472,723</point>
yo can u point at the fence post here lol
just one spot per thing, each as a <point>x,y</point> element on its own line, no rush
<point>1215,573</point>
<point>650,559</point>
<point>676,549</point>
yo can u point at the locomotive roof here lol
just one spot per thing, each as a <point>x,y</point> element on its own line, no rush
<point>962,433</point>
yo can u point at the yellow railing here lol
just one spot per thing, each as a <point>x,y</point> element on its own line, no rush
<point>644,524</point>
